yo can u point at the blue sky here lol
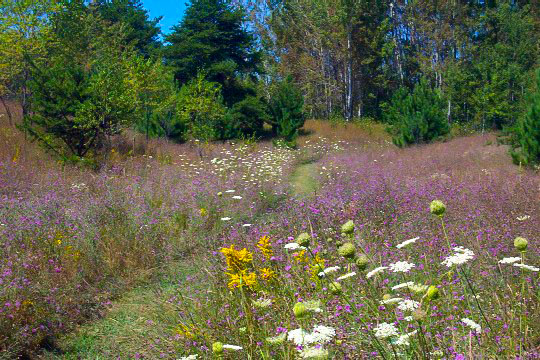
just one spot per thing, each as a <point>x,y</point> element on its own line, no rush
<point>171,10</point>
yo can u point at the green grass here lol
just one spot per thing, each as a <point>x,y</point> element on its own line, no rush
<point>135,324</point>
<point>303,179</point>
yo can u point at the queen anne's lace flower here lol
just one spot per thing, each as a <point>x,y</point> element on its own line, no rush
<point>403,285</point>
<point>190,357</point>
<point>232,347</point>
<point>385,330</point>
<point>314,353</point>
<point>477,328</point>
<point>401,266</point>
<point>376,271</point>
<point>346,276</point>
<point>391,301</point>
<point>403,340</point>
<point>509,260</point>
<point>277,339</point>
<point>408,305</point>
<point>461,256</point>
<point>527,267</point>
<point>294,246</point>
<point>321,334</point>
<point>329,270</point>
<point>407,242</point>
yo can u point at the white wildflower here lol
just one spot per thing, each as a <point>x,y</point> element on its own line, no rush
<point>510,260</point>
<point>408,305</point>
<point>262,303</point>
<point>407,242</point>
<point>402,285</point>
<point>346,276</point>
<point>225,218</point>
<point>236,197</point>
<point>328,270</point>
<point>246,225</point>
<point>323,334</point>
<point>294,246</point>
<point>401,266</point>
<point>298,336</point>
<point>229,191</point>
<point>523,218</point>
<point>232,347</point>
<point>460,256</point>
<point>385,330</point>
<point>477,328</point>
<point>391,301</point>
<point>527,267</point>
<point>408,318</point>
<point>376,271</point>
<point>190,357</point>
<point>418,288</point>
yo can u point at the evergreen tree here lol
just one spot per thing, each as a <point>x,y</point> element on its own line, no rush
<point>286,108</point>
<point>212,37</point>
<point>526,137</point>
<point>141,31</point>
<point>417,117</point>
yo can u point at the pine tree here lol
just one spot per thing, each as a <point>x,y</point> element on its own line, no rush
<point>526,141</point>
<point>212,37</point>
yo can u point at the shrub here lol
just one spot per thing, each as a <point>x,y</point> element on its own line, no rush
<point>75,106</point>
<point>200,107</point>
<point>416,117</point>
<point>246,117</point>
<point>286,108</point>
<point>526,134</point>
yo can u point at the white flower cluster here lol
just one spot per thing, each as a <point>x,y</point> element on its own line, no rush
<point>294,246</point>
<point>402,285</point>
<point>321,334</point>
<point>346,276</point>
<point>391,301</point>
<point>232,347</point>
<point>527,267</point>
<point>407,242</point>
<point>328,270</point>
<point>385,330</point>
<point>190,357</point>
<point>376,271</point>
<point>403,340</point>
<point>408,305</point>
<point>461,256</point>
<point>510,260</point>
<point>477,328</point>
<point>401,266</point>
<point>314,353</point>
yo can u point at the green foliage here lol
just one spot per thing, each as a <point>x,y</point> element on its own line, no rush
<point>286,108</point>
<point>526,134</point>
<point>141,31</point>
<point>417,117</point>
<point>79,100</point>
<point>212,37</point>
<point>200,107</point>
<point>247,116</point>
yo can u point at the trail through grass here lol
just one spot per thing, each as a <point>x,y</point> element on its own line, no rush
<point>303,179</point>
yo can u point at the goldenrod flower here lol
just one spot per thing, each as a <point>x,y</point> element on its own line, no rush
<point>203,212</point>
<point>300,256</point>
<point>241,279</point>
<point>265,247</point>
<point>237,260</point>
<point>267,274</point>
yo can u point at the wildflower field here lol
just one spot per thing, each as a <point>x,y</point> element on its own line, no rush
<point>345,248</point>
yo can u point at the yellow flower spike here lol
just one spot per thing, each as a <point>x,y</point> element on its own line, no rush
<point>267,274</point>
<point>265,247</point>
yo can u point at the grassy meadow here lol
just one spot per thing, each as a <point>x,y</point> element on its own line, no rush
<point>244,250</point>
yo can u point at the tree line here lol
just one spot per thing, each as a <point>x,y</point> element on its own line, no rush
<point>82,70</point>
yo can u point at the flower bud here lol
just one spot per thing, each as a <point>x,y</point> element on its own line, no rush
<point>300,310</point>
<point>520,243</point>
<point>217,348</point>
<point>348,227</point>
<point>347,250</point>
<point>220,194</point>
<point>437,208</point>
<point>432,293</point>
<point>303,239</point>
<point>334,287</point>
<point>362,262</point>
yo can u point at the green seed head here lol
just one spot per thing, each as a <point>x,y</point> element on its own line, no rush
<point>335,288</point>
<point>347,250</point>
<point>300,310</point>
<point>520,243</point>
<point>217,348</point>
<point>220,194</point>
<point>348,227</point>
<point>432,293</point>
<point>437,208</point>
<point>303,239</point>
<point>362,262</point>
